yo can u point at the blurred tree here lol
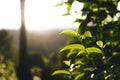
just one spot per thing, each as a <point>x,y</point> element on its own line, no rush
<point>7,56</point>
<point>24,68</point>
<point>6,46</point>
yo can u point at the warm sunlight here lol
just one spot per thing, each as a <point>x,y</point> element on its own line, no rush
<point>9,14</point>
<point>39,15</point>
<point>44,15</point>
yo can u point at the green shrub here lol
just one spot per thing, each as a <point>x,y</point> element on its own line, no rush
<point>94,51</point>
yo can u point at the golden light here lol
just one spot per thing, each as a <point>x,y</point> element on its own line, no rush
<point>39,15</point>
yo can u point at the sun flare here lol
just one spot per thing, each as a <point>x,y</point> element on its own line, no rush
<point>43,15</point>
<point>39,15</point>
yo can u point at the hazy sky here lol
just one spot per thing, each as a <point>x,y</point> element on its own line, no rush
<point>39,15</point>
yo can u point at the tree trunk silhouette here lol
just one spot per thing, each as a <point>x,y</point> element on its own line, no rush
<point>23,71</point>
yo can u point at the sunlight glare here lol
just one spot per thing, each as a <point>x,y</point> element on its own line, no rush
<point>9,14</point>
<point>39,15</point>
<point>43,15</point>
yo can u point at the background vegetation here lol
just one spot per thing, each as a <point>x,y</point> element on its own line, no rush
<point>42,55</point>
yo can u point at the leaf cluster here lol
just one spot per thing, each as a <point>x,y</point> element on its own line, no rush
<point>96,54</point>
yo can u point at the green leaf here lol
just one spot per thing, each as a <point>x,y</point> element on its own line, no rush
<point>70,32</point>
<point>78,77</point>
<point>57,72</point>
<point>81,52</point>
<point>67,62</point>
<point>66,14</point>
<point>115,53</point>
<point>59,4</point>
<point>69,5</point>
<point>78,61</point>
<point>77,30</point>
<point>100,44</point>
<point>70,53</point>
<point>88,34</point>
<point>73,46</point>
<point>115,43</point>
<point>93,50</point>
<point>78,20</point>
<point>107,43</point>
